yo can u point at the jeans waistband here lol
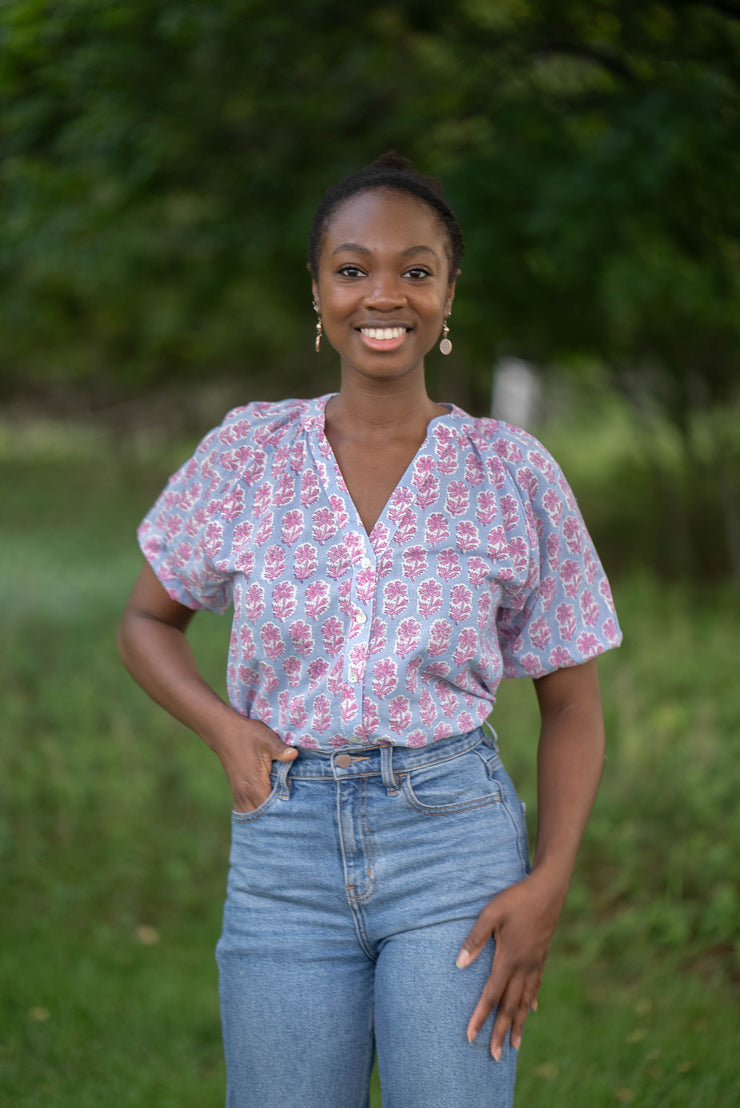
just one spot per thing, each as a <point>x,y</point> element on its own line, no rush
<point>383,760</point>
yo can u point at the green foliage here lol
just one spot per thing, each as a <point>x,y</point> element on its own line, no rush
<point>160,164</point>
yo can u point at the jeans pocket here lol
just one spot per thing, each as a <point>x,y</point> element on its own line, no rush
<point>453,785</point>
<point>261,809</point>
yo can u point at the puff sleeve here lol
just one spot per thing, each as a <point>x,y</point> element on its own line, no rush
<point>565,615</point>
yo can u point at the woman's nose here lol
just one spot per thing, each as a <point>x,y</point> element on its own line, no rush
<point>385,293</point>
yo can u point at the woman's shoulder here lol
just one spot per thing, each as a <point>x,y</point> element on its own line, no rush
<point>263,419</point>
<point>512,445</point>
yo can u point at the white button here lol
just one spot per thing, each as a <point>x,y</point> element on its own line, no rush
<point>365,563</point>
<point>361,617</point>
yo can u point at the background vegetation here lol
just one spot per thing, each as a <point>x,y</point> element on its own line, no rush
<point>159,164</point>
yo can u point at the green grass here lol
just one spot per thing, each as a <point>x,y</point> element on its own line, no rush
<point>114,835</point>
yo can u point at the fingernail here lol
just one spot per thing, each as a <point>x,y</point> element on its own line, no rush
<point>496,1053</point>
<point>463,959</point>
<point>469,1037</point>
<point>517,1042</point>
<point>534,1005</point>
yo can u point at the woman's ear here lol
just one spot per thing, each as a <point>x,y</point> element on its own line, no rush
<point>315,293</point>
<point>451,293</point>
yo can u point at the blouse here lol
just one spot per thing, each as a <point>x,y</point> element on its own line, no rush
<point>479,567</point>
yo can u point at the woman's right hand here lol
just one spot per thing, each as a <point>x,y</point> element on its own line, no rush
<point>247,750</point>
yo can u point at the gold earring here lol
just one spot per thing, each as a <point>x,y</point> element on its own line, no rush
<point>319,328</point>
<point>445,345</point>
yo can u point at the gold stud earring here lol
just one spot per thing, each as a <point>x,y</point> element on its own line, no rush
<point>319,328</point>
<point>445,345</point>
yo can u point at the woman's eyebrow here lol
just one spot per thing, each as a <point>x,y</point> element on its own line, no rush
<point>357,249</point>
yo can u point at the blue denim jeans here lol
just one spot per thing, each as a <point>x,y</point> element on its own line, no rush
<point>350,892</point>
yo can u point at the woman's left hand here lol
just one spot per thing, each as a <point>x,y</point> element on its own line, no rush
<point>521,919</point>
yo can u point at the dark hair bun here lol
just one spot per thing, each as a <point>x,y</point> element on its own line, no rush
<point>392,160</point>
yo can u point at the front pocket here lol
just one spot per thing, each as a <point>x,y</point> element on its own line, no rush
<point>267,803</point>
<point>451,786</point>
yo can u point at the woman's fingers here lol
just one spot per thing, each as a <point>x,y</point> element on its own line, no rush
<point>249,762</point>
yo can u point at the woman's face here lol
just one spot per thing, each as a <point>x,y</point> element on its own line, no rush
<point>384,285</point>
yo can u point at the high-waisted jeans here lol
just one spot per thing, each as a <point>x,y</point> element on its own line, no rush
<point>350,891</point>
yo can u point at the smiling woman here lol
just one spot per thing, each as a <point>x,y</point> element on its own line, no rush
<point>389,560</point>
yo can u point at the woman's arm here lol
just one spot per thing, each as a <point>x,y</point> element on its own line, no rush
<point>155,651</point>
<point>522,918</point>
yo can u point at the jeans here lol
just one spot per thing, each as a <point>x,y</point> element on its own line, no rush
<point>350,891</point>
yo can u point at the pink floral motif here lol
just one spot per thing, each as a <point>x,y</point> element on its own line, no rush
<point>407,637</point>
<point>324,526</point>
<point>297,714</point>
<point>532,665</point>
<point>399,714</point>
<point>378,637</point>
<point>448,565</point>
<point>321,714</point>
<point>337,506</point>
<point>395,598</point>
<point>301,637</point>
<point>427,707</point>
<point>347,704</point>
<point>498,547</point>
<point>337,562</point>
<point>423,469</point>
<point>357,660</point>
<point>406,529</point>
<point>573,534</point>
<point>566,620</point>
<point>213,539</point>
<point>244,562</point>
<point>262,500</point>
<point>486,507</point>
<point>587,643</point>
<point>246,638</point>
<point>284,600</point>
<point>293,670</point>
<point>334,680</point>
<point>560,658</point>
<point>272,640</point>
<point>510,512</point>
<point>553,505</point>
<point>467,646</point>
<point>428,495</point>
<point>248,676</point>
<point>457,499</point>
<point>461,602</point>
<point>485,606</point>
<point>477,571</point>
<point>365,585</point>
<point>591,567</point>
<point>317,671</point>
<point>274,563</point>
<point>284,491</point>
<point>429,597</point>
<point>317,598</point>
<point>447,462</point>
<point>475,474</point>
<point>254,605</point>
<point>385,677</point>
<point>242,534</point>
<point>539,632</point>
<point>589,608</point>
<point>384,565</point>
<point>604,591</point>
<point>233,504</point>
<point>305,561</point>
<point>543,465</point>
<point>466,535</point>
<point>412,674</point>
<point>553,551</point>
<point>439,638</point>
<point>331,633</point>
<point>570,575</point>
<point>414,562</point>
<point>293,522</point>
<point>401,499</point>
<point>436,531</point>
<point>270,682</point>
<point>548,591</point>
<point>610,632</point>
<point>309,488</point>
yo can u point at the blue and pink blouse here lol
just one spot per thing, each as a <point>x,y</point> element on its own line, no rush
<point>478,568</point>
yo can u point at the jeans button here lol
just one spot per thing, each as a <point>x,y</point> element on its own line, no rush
<point>344,760</point>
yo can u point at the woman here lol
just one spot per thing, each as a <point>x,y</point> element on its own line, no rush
<point>389,559</point>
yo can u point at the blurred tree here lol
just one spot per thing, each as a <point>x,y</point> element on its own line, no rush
<point>160,163</point>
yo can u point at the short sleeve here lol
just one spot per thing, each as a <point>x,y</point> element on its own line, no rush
<point>566,614</point>
<point>181,536</point>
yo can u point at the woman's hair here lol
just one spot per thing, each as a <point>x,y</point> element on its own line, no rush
<point>389,171</point>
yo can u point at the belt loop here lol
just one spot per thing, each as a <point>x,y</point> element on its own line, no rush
<point>489,736</point>
<point>386,770</point>
<point>283,788</point>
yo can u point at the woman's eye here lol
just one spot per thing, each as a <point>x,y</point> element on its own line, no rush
<point>417,272</point>
<point>350,271</point>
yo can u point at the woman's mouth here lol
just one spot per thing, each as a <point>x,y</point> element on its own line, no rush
<point>383,338</point>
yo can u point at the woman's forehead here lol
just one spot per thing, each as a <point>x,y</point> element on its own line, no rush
<point>383,217</point>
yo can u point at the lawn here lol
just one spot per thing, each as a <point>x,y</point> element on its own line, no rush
<point>114,832</point>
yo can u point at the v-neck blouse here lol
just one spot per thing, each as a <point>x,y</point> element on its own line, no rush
<point>479,567</point>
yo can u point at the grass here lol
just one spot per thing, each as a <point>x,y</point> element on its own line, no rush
<point>114,833</point>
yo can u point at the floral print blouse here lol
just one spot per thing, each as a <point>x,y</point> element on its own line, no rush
<point>478,568</point>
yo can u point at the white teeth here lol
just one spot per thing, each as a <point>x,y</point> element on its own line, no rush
<point>383,332</point>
